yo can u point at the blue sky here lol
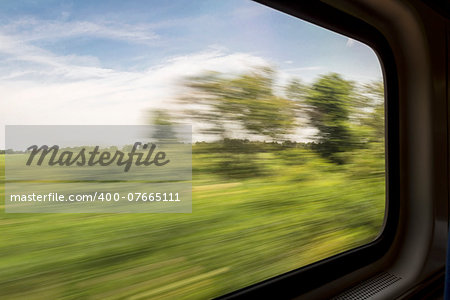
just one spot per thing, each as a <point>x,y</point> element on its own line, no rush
<point>108,62</point>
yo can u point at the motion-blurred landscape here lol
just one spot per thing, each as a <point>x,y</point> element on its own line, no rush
<point>264,200</point>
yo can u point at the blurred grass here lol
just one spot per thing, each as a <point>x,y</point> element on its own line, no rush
<point>288,208</point>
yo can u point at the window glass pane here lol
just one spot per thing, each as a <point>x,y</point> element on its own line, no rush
<point>288,163</point>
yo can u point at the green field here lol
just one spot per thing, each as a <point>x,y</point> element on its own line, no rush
<point>254,215</point>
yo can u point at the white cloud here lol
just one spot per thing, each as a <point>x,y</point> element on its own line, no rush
<point>32,29</point>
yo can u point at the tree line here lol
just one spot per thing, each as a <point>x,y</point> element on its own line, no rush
<point>344,114</point>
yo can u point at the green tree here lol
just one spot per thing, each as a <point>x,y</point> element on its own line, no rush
<point>329,100</point>
<point>164,126</point>
<point>233,107</point>
<point>369,160</point>
<point>246,101</point>
<point>297,91</point>
<point>374,117</point>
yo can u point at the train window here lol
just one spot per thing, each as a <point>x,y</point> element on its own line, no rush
<point>288,144</point>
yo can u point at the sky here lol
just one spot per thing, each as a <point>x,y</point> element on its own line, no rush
<point>111,62</point>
